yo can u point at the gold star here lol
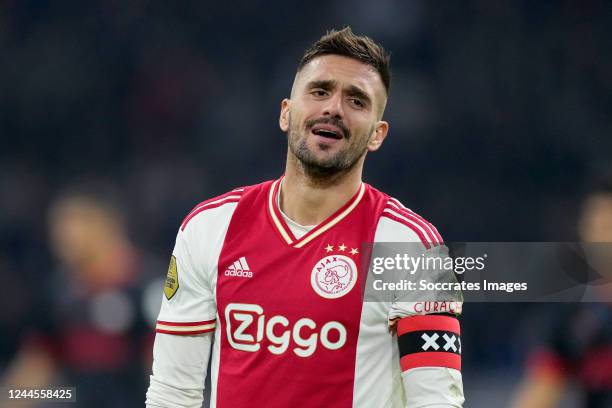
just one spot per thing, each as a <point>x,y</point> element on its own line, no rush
<point>329,248</point>
<point>354,251</point>
<point>342,247</point>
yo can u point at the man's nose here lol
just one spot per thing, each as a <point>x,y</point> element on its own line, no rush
<point>333,106</point>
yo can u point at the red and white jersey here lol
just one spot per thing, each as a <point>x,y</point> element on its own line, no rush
<point>291,327</point>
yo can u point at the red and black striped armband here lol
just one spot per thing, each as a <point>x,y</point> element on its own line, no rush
<point>185,328</point>
<point>429,341</point>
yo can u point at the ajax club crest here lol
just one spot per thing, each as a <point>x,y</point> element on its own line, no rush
<point>334,276</point>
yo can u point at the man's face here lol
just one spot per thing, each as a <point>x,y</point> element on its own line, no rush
<point>595,227</point>
<point>333,117</point>
<point>596,219</point>
<point>77,227</point>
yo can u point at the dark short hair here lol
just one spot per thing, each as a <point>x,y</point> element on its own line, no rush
<point>348,44</point>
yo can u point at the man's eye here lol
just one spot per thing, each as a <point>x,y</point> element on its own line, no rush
<point>357,102</point>
<point>319,92</point>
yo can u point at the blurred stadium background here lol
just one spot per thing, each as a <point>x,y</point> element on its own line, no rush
<point>499,112</point>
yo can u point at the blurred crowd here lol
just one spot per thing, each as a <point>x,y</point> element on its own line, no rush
<point>116,117</point>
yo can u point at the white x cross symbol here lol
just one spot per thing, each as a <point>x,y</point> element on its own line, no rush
<point>430,341</point>
<point>450,342</point>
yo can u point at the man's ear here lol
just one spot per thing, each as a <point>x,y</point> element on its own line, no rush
<point>283,120</point>
<point>378,135</point>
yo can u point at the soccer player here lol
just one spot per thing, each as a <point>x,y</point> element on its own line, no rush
<point>90,329</point>
<point>271,276</point>
<point>576,348</point>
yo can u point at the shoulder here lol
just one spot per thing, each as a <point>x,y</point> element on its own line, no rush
<point>221,207</point>
<point>215,206</point>
<point>398,223</point>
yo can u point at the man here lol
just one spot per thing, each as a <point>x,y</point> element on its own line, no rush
<point>273,272</point>
<point>91,324</point>
<point>577,346</point>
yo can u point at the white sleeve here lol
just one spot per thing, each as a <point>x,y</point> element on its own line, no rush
<point>186,320</point>
<point>391,238</point>
<point>188,303</point>
<point>426,386</point>
<point>187,317</point>
<point>407,303</point>
<point>179,370</point>
<point>433,387</point>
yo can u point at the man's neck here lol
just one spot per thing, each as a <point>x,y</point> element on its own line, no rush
<point>308,201</point>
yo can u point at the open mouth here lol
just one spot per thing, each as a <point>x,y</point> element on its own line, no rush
<point>331,134</point>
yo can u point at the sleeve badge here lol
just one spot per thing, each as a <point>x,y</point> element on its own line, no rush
<point>172,283</point>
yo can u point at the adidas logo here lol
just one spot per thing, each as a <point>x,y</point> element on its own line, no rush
<point>239,268</point>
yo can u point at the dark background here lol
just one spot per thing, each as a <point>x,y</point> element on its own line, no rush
<point>499,113</point>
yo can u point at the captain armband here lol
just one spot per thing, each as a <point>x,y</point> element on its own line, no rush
<point>429,341</point>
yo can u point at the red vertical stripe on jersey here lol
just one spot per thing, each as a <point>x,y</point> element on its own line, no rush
<point>252,369</point>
